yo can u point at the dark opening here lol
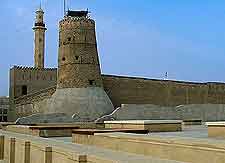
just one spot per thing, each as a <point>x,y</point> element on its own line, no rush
<point>5,119</point>
<point>0,119</point>
<point>24,90</point>
<point>91,82</point>
<point>69,39</point>
<point>63,59</point>
<point>77,57</point>
<point>5,111</point>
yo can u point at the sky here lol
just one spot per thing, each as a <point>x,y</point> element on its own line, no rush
<point>144,38</point>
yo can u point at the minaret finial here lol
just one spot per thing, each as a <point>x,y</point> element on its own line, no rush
<point>64,7</point>
<point>40,5</point>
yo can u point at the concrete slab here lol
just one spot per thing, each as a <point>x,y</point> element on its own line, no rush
<point>163,145</point>
<point>150,125</point>
<point>5,124</point>
<point>44,131</point>
<point>144,122</point>
<point>192,122</point>
<point>94,131</point>
<point>216,129</point>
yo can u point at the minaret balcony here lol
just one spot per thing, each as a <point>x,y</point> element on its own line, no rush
<point>39,24</point>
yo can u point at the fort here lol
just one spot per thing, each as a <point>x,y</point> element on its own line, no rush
<point>76,114</point>
<point>31,87</point>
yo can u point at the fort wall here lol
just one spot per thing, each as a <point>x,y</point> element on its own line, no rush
<point>25,80</point>
<point>28,80</point>
<point>133,90</point>
<point>33,103</point>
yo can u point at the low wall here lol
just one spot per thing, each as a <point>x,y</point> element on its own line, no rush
<point>172,148</point>
<point>205,112</point>
<point>18,148</point>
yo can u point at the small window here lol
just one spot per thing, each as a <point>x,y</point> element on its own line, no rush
<point>5,119</point>
<point>5,111</point>
<point>69,39</point>
<point>63,59</point>
<point>24,90</point>
<point>77,57</point>
<point>91,82</point>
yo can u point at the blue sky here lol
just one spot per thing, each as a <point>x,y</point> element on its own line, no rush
<point>135,37</point>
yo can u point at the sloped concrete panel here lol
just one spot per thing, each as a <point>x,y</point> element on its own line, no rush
<point>84,104</point>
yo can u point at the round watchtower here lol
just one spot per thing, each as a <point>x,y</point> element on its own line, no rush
<point>79,83</point>
<point>78,57</point>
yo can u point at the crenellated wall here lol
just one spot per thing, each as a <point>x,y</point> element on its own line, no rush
<point>27,80</point>
<point>34,79</point>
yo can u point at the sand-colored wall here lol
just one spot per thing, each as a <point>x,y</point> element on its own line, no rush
<point>130,90</point>
<point>124,90</point>
<point>20,148</point>
<point>172,148</point>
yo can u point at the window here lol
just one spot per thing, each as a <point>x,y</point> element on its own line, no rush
<point>5,111</point>
<point>77,57</point>
<point>63,59</point>
<point>0,119</point>
<point>69,39</point>
<point>5,119</point>
<point>24,90</point>
<point>91,82</point>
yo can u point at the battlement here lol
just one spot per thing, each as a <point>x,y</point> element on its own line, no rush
<point>32,68</point>
<point>76,22</point>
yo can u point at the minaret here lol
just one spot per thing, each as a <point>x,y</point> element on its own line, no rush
<point>39,39</point>
<point>79,83</point>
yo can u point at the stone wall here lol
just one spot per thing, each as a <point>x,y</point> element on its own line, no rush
<point>131,90</point>
<point>78,62</point>
<point>33,79</point>
<point>33,103</point>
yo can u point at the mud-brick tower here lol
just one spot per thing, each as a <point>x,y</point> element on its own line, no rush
<point>39,39</point>
<point>79,85</point>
